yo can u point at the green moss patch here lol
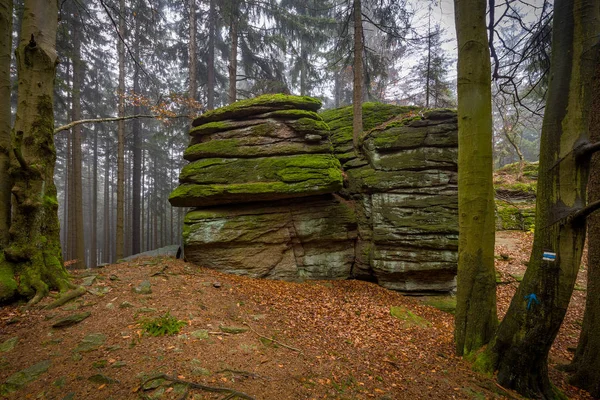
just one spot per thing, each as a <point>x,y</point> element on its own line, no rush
<point>289,169</point>
<point>408,318</point>
<point>512,217</point>
<point>161,326</point>
<point>259,105</point>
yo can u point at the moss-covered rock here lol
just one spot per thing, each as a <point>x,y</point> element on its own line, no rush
<point>259,105</point>
<point>249,147</point>
<point>512,217</point>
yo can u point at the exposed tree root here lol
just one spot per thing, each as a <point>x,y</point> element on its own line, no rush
<point>273,340</point>
<point>68,296</point>
<point>229,393</point>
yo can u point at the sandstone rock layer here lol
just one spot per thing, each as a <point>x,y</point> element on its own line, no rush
<point>279,192</point>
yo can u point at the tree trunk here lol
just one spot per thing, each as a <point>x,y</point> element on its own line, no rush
<point>233,34</point>
<point>428,79</point>
<point>210,97</point>
<point>77,200</point>
<point>475,320</point>
<point>136,184</point>
<point>106,220</point>
<point>587,357</point>
<point>31,264</point>
<point>121,137</point>
<point>357,96</point>
<point>5,182</point>
<point>520,347</point>
<point>192,55</point>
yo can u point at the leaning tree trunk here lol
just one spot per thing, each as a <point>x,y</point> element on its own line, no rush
<point>476,319</point>
<point>357,94</point>
<point>587,357</point>
<point>520,348</point>
<point>33,253</point>
<point>5,50</point>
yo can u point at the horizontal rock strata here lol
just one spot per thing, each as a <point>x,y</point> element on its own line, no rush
<point>280,193</point>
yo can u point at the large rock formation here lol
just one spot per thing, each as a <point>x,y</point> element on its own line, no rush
<point>272,199</point>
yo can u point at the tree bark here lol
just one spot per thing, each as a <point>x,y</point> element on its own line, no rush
<point>107,210</point>
<point>233,35</point>
<point>31,264</point>
<point>192,55</point>
<point>6,7</point>
<point>587,356</point>
<point>121,137</point>
<point>77,199</point>
<point>475,320</point>
<point>357,94</point>
<point>136,184</point>
<point>210,96</point>
<point>519,350</point>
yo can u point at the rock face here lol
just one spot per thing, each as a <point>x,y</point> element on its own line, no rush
<point>280,193</point>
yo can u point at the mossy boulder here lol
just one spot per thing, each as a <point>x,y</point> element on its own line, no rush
<point>259,105</point>
<point>510,216</point>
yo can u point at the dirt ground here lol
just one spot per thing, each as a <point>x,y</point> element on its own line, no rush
<point>267,339</point>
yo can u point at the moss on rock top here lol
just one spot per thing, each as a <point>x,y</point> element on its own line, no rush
<point>259,105</point>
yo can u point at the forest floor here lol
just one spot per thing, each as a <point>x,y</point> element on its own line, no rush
<point>268,339</point>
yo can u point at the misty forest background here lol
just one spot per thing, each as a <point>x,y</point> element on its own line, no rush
<point>162,62</point>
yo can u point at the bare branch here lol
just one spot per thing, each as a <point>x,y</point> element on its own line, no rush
<point>583,212</point>
<point>110,119</point>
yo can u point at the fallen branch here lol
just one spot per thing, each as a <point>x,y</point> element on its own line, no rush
<point>273,340</point>
<point>68,296</point>
<point>231,393</point>
<point>245,374</point>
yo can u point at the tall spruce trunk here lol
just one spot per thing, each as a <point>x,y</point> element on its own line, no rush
<point>121,138</point>
<point>210,85</point>
<point>31,264</point>
<point>192,54</point>
<point>587,357</point>
<point>233,35</point>
<point>136,178</point>
<point>357,93</point>
<point>475,320</point>
<point>77,200</point>
<point>519,350</point>
<point>5,182</point>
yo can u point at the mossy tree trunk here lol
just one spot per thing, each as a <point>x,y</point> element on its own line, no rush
<point>5,51</point>
<point>357,93</point>
<point>519,350</point>
<point>476,319</point>
<point>587,357</point>
<point>33,255</point>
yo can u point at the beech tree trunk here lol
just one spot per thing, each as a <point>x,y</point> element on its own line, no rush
<point>357,94</point>
<point>587,357</point>
<point>519,350</point>
<point>5,182</point>
<point>32,263</point>
<point>120,243</point>
<point>475,320</point>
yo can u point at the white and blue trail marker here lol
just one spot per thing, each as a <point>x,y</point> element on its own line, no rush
<point>548,256</point>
